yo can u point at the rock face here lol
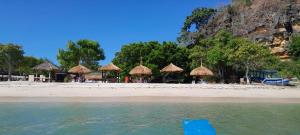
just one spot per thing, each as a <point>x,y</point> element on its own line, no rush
<point>271,22</point>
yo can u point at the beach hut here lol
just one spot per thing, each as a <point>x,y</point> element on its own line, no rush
<point>201,71</point>
<point>141,72</point>
<point>171,69</point>
<point>110,68</point>
<point>46,66</point>
<point>80,70</point>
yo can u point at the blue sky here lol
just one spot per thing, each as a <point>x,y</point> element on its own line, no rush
<point>44,26</point>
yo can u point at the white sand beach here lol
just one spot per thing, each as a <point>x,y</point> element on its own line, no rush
<point>107,92</point>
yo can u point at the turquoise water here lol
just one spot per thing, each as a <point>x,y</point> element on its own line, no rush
<point>146,118</point>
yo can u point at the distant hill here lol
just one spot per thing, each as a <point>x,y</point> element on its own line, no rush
<point>271,22</point>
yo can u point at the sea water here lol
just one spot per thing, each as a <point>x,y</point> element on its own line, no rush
<point>146,118</point>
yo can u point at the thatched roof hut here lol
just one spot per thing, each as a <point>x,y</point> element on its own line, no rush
<point>79,70</point>
<point>141,71</point>
<point>171,68</point>
<point>46,66</point>
<point>201,71</point>
<point>110,67</point>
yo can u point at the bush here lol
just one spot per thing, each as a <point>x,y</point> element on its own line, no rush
<point>294,47</point>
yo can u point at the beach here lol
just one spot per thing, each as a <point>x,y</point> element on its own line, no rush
<point>137,92</point>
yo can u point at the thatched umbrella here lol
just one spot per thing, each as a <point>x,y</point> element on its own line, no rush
<point>201,71</point>
<point>111,67</point>
<point>79,70</point>
<point>46,66</point>
<point>141,71</point>
<point>171,68</point>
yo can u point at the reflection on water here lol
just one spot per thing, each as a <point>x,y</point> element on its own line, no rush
<point>146,118</point>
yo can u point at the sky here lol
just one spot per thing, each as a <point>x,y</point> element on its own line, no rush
<point>44,26</point>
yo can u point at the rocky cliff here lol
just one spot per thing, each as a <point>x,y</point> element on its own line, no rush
<point>271,22</point>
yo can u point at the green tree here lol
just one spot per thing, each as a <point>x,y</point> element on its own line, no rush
<point>154,55</point>
<point>131,54</point>
<point>27,64</point>
<point>216,54</point>
<point>294,47</point>
<point>217,59</point>
<point>11,56</point>
<point>197,55</point>
<point>199,17</point>
<point>249,56</point>
<point>85,52</point>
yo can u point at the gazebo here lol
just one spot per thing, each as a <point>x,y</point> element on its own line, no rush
<point>46,66</point>
<point>80,70</point>
<point>171,68</point>
<point>201,71</point>
<point>141,72</point>
<point>110,68</point>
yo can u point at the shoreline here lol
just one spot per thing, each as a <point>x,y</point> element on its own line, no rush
<point>147,100</point>
<point>172,93</point>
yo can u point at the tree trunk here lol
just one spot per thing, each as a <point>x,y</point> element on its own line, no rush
<point>247,74</point>
<point>221,74</point>
<point>9,72</point>
<point>8,62</point>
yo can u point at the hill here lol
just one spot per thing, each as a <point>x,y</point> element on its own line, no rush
<point>271,22</point>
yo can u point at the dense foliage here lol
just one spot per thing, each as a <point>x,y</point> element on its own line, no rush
<point>85,52</point>
<point>294,47</point>
<point>151,54</point>
<point>13,61</point>
<point>199,17</point>
<point>289,69</point>
<point>225,54</point>
<point>11,56</point>
<point>230,56</point>
<point>27,63</point>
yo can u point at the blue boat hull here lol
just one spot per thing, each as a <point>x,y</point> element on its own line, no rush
<point>278,81</point>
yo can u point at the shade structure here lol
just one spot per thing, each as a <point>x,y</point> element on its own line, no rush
<point>110,67</point>
<point>171,68</point>
<point>46,66</point>
<point>141,71</point>
<point>201,71</point>
<point>79,70</point>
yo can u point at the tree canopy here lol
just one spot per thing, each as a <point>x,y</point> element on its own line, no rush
<point>192,24</point>
<point>27,64</point>
<point>198,17</point>
<point>228,55</point>
<point>154,55</point>
<point>11,56</point>
<point>85,52</point>
<point>249,56</point>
